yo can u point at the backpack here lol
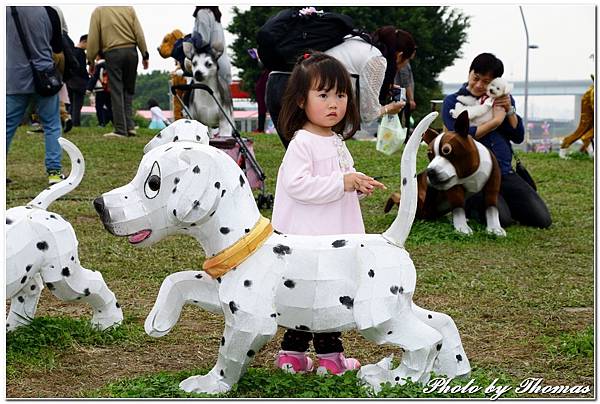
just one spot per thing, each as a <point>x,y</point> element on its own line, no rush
<point>288,34</point>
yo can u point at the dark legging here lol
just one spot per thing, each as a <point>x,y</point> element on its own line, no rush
<point>276,84</point>
<point>324,343</point>
<point>517,202</point>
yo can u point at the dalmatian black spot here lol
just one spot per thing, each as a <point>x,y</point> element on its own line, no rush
<point>196,170</point>
<point>222,373</point>
<point>459,357</point>
<point>222,193</point>
<point>192,225</point>
<point>389,333</point>
<point>65,271</point>
<point>217,185</point>
<point>28,267</point>
<point>86,291</point>
<point>250,353</point>
<point>338,243</point>
<point>233,307</point>
<point>32,287</point>
<point>159,135</point>
<point>198,276</point>
<point>198,137</point>
<point>404,181</point>
<point>176,138</point>
<point>281,249</point>
<point>187,148</point>
<point>72,258</point>
<point>21,299</point>
<point>277,232</point>
<point>394,289</point>
<point>302,328</point>
<point>222,341</point>
<point>174,212</point>
<point>247,283</point>
<point>42,245</point>
<point>246,230</point>
<point>401,290</point>
<point>212,213</point>
<point>195,204</point>
<point>176,180</point>
<point>117,305</point>
<point>78,161</point>
<point>397,378</point>
<point>8,221</point>
<point>371,273</point>
<point>53,217</point>
<point>429,316</point>
<point>174,190</point>
<point>49,285</point>
<point>347,301</point>
<point>415,175</point>
<point>362,245</point>
<point>195,301</point>
<point>438,347</point>
<point>224,230</point>
<point>242,181</point>
<point>24,279</point>
<point>168,148</point>
<point>289,284</point>
<point>219,279</point>
<point>273,315</point>
<point>40,202</point>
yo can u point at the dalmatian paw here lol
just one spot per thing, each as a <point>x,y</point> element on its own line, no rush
<point>107,317</point>
<point>496,231</point>
<point>375,375</point>
<point>208,383</point>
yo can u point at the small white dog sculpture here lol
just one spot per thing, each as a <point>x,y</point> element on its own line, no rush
<point>480,109</point>
<point>312,283</point>
<point>41,247</point>
<point>202,105</point>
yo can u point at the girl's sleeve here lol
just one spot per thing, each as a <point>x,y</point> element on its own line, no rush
<point>299,182</point>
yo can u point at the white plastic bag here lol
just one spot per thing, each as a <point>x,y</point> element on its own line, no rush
<point>390,134</point>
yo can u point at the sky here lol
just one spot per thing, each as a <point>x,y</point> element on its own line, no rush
<point>565,36</point>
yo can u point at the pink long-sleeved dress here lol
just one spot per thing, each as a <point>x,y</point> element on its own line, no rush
<point>309,195</point>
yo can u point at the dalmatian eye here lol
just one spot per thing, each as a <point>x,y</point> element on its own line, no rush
<point>446,149</point>
<point>152,185</point>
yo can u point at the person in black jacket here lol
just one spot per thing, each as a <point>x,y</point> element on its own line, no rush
<point>78,82</point>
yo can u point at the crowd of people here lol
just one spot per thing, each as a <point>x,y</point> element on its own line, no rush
<point>315,109</point>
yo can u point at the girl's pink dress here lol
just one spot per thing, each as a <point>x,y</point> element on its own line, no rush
<point>309,196</point>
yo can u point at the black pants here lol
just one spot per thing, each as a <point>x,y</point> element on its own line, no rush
<point>276,84</point>
<point>76,96</point>
<point>121,64</point>
<point>324,343</point>
<point>517,202</point>
<point>103,108</point>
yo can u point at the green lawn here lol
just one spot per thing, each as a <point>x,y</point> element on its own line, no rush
<point>524,304</point>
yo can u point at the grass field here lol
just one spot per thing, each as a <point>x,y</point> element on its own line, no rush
<point>524,305</point>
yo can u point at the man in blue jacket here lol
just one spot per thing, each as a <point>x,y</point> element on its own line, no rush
<point>517,200</point>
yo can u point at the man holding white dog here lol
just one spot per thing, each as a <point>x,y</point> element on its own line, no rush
<point>116,32</point>
<point>517,200</point>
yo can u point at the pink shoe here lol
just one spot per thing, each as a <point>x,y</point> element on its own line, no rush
<point>336,363</point>
<point>294,362</point>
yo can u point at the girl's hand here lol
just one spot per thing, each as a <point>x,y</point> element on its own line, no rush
<point>361,183</point>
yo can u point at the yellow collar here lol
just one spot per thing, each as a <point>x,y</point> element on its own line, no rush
<point>237,253</point>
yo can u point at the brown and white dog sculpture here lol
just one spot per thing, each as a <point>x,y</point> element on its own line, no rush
<point>459,166</point>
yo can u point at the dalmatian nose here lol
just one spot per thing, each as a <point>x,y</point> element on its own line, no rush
<point>99,206</point>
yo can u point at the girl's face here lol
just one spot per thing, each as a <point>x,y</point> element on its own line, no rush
<point>324,110</point>
<point>478,83</point>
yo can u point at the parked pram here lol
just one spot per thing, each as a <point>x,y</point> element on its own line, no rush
<point>238,148</point>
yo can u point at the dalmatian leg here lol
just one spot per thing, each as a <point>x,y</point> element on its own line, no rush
<point>177,290</point>
<point>451,360</point>
<point>24,304</point>
<point>74,283</point>
<point>459,220</point>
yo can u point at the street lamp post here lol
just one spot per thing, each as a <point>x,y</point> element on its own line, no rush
<point>525,118</point>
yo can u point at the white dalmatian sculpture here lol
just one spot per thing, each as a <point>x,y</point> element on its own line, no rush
<point>313,283</point>
<point>180,130</point>
<point>41,247</point>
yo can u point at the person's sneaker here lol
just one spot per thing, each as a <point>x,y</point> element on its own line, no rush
<point>294,362</point>
<point>336,364</point>
<point>67,125</point>
<point>114,134</point>
<point>563,153</point>
<point>54,177</point>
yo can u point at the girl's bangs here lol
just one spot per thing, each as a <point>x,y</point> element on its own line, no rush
<point>329,75</point>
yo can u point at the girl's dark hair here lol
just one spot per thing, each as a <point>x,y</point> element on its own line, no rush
<point>324,72</point>
<point>487,63</point>
<point>152,103</point>
<point>214,9</point>
<point>390,40</point>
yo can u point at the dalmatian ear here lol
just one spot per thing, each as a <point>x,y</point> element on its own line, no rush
<point>197,192</point>
<point>188,50</point>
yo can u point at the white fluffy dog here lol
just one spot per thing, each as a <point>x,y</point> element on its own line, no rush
<point>480,109</point>
<point>204,68</point>
<point>312,283</point>
<point>41,247</point>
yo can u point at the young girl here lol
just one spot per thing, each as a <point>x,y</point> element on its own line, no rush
<point>158,118</point>
<point>317,185</point>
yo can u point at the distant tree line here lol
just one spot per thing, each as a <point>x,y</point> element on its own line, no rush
<point>151,85</point>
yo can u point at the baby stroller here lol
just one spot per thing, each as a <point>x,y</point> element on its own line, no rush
<point>240,149</point>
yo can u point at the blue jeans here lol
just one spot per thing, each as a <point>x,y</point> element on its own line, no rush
<point>47,109</point>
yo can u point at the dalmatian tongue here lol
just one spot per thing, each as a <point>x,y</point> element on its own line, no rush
<point>139,236</point>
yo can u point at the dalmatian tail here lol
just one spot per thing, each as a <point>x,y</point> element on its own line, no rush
<point>400,228</point>
<point>49,195</point>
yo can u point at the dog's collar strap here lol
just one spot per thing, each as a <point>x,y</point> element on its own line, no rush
<point>234,255</point>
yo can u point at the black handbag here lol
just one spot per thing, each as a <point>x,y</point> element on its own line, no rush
<point>47,82</point>
<point>523,173</point>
